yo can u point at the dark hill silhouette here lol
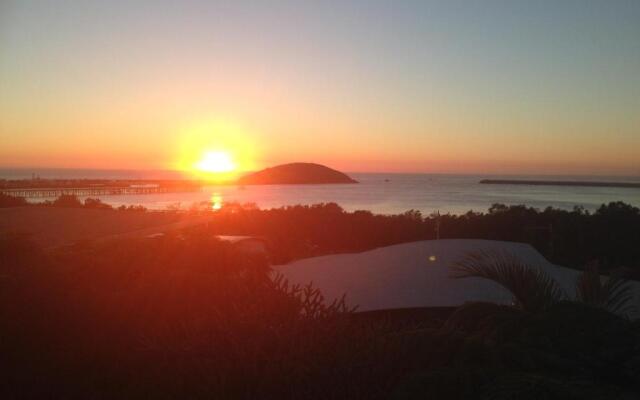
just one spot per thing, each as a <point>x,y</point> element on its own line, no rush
<point>295,173</point>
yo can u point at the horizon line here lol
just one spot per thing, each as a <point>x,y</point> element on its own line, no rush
<point>178,171</point>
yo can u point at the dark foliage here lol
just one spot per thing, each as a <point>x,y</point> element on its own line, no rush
<point>541,347</point>
<point>72,201</point>
<point>175,317</point>
<point>571,238</point>
<point>533,290</point>
<point>131,208</point>
<point>11,201</point>
<point>67,200</point>
<point>609,236</point>
<point>611,294</point>
<point>90,202</point>
<point>187,316</point>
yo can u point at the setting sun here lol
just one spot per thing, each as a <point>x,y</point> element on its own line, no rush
<point>320,199</point>
<point>214,149</point>
<point>216,162</point>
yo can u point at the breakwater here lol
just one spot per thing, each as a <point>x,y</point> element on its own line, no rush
<point>560,183</point>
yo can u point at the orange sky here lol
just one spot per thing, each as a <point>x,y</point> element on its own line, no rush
<point>398,89</point>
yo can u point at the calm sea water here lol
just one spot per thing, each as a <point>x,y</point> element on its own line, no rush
<point>380,193</point>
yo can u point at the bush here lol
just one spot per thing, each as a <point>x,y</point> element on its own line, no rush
<point>138,208</point>
<point>175,317</point>
<point>12,201</point>
<point>187,316</point>
<point>96,203</point>
<point>67,200</point>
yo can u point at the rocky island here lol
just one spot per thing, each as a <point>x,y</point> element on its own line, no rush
<point>295,174</point>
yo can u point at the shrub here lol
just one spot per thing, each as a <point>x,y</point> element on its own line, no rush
<point>178,317</point>
<point>96,203</point>
<point>12,201</point>
<point>67,200</point>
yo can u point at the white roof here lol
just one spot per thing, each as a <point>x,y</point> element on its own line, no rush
<point>415,274</point>
<point>236,239</point>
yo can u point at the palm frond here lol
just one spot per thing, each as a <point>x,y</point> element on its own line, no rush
<point>533,290</point>
<point>614,293</point>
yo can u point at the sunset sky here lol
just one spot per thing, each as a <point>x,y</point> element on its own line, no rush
<point>402,86</point>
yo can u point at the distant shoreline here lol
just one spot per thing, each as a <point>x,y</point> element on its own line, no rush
<point>560,183</point>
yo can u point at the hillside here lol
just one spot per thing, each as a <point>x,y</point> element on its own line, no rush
<point>295,173</point>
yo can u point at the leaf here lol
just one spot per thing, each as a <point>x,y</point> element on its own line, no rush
<point>532,288</point>
<point>614,293</point>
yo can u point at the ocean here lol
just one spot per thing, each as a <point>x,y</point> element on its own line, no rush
<point>376,192</point>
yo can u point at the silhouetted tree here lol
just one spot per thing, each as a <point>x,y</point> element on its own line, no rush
<point>11,201</point>
<point>67,200</point>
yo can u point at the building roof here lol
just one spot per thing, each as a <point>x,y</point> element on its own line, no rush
<point>235,239</point>
<point>416,274</point>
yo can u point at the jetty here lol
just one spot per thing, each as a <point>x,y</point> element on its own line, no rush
<point>635,185</point>
<point>85,187</point>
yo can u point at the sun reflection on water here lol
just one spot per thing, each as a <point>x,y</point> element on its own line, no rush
<point>216,201</point>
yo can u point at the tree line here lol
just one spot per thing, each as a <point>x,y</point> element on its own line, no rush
<point>609,236</point>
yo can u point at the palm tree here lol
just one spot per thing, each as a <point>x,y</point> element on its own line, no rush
<point>559,342</point>
<point>535,291</point>
<point>614,294</point>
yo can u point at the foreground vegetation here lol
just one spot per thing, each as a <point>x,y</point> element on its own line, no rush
<point>187,316</point>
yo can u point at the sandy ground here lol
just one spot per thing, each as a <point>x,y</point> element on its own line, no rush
<point>53,226</point>
<point>416,274</point>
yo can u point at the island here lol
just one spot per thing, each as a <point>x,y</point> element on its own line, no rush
<point>561,183</point>
<point>295,174</point>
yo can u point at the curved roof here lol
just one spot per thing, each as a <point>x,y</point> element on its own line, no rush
<point>415,274</point>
